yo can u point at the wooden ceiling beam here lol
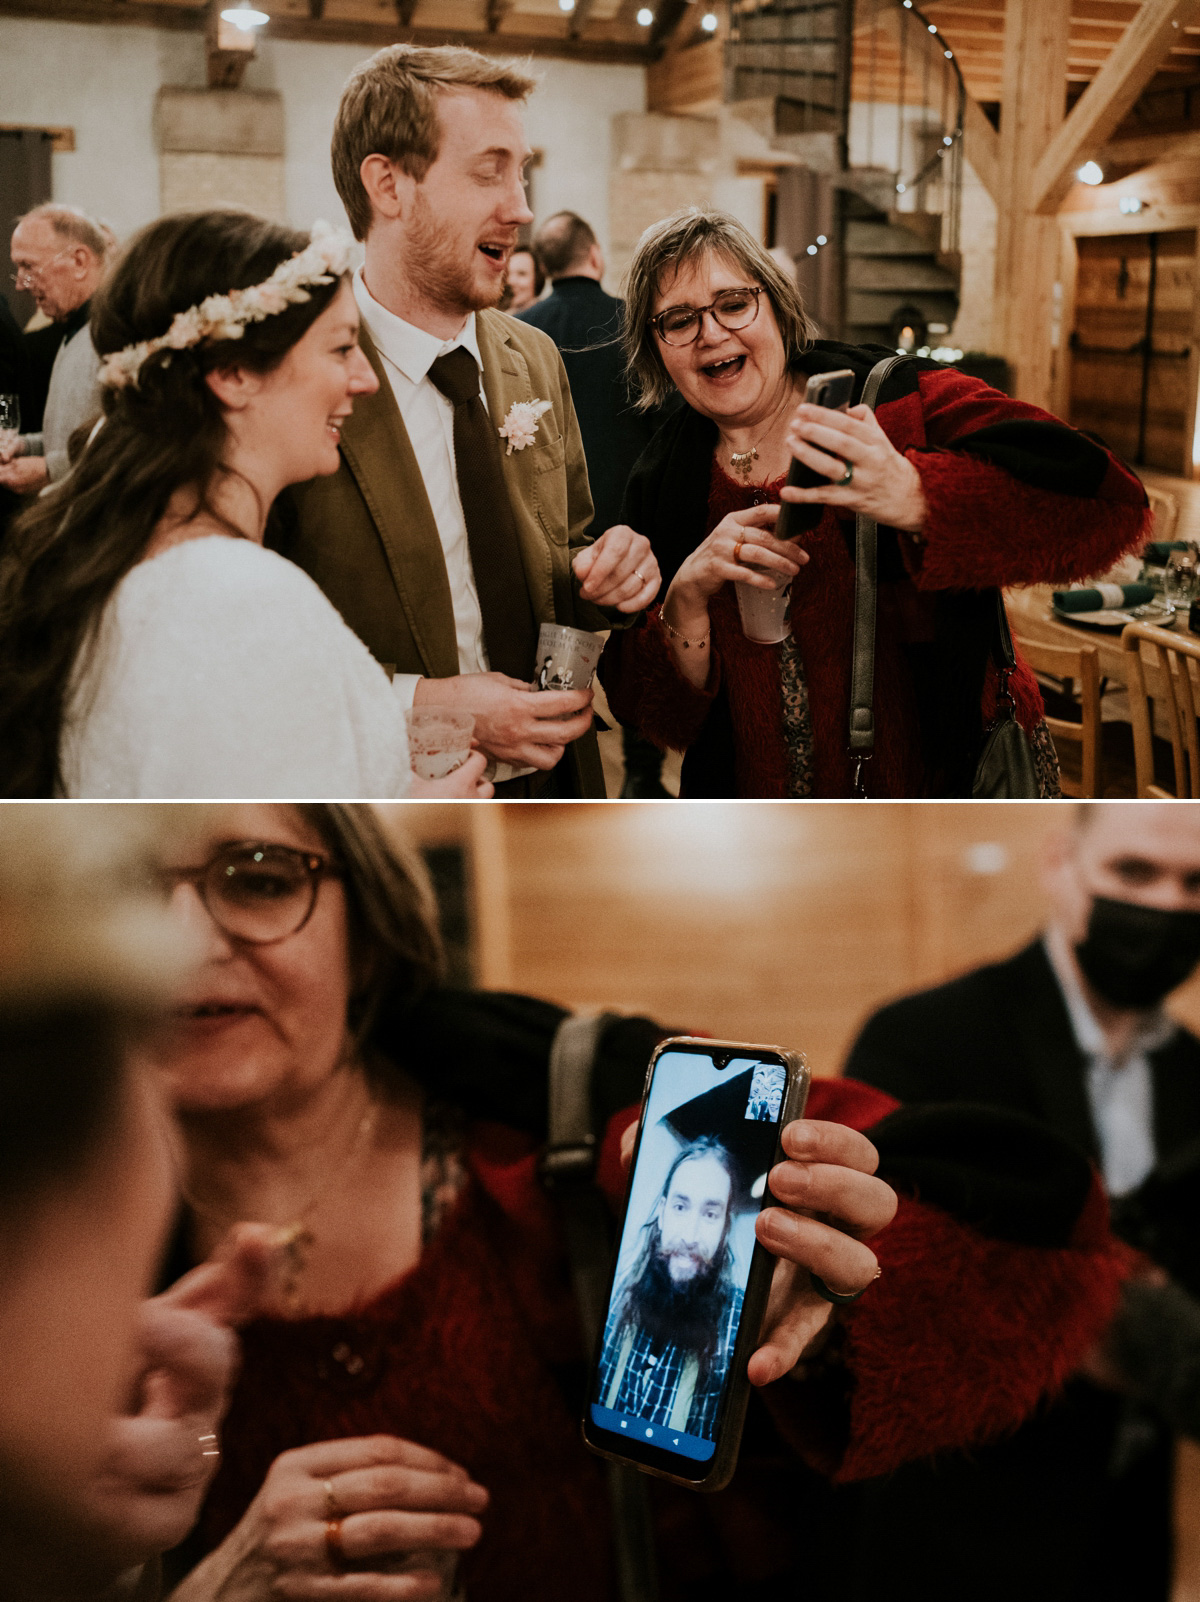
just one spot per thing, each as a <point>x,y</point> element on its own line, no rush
<point>1108,98</point>
<point>578,18</point>
<point>227,49</point>
<point>667,17</point>
<point>604,42</point>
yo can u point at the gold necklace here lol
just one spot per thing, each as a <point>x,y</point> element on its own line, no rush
<point>742,461</point>
<point>296,1239</point>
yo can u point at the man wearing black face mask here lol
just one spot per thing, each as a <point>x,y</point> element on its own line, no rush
<point>1071,1030</point>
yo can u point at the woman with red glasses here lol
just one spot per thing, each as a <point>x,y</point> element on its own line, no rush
<point>971,491</point>
<point>407,1417</point>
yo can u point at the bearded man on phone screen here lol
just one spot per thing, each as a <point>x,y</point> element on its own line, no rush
<point>671,1332</point>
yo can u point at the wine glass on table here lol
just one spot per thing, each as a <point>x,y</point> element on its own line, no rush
<point>1181,578</point>
<point>10,423</point>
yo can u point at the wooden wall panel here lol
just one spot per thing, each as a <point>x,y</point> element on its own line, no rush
<point>760,921</point>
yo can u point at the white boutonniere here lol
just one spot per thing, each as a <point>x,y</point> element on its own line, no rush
<point>521,424</point>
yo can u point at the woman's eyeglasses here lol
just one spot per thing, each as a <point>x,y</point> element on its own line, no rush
<point>732,309</point>
<point>257,893</point>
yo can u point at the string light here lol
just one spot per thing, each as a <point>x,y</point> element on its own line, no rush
<point>645,17</point>
<point>709,22</point>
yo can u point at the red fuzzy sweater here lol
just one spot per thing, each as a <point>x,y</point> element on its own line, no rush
<point>955,1345</point>
<point>985,527</point>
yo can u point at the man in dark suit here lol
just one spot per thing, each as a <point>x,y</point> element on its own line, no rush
<point>1071,1031</point>
<point>585,323</point>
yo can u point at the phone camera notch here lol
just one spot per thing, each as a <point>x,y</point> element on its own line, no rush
<point>722,1059</point>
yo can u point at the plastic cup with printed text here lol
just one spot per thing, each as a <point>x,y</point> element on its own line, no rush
<point>566,658</point>
<point>439,740</point>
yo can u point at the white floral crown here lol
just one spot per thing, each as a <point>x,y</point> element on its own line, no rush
<point>327,257</point>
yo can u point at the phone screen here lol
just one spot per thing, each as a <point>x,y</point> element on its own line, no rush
<point>709,1136</point>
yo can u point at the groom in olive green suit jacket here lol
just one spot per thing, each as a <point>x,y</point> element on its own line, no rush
<point>428,155</point>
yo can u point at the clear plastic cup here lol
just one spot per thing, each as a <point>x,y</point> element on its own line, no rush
<point>439,740</point>
<point>765,612</point>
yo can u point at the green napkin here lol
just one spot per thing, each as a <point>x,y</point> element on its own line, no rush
<point>1109,597</point>
<point>1157,552</point>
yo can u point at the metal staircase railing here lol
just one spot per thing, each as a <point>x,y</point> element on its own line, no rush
<point>797,52</point>
<point>909,103</point>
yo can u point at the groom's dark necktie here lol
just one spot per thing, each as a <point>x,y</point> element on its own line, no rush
<point>509,630</point>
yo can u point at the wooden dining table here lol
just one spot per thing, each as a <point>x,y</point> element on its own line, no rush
<point>1031,617</point>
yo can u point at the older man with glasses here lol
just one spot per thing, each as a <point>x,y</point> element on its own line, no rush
<point>59,257</point>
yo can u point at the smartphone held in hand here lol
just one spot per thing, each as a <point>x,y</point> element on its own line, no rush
<point>668,1386</point>
<point>833,391</point>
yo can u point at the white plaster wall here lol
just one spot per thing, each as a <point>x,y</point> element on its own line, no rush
<point>102,81</point>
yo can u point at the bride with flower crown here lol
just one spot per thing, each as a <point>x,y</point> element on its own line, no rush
<point>149,645</point>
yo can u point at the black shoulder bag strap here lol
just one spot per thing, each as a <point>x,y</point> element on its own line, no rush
<point>862,666</point>
<point>568,1173</point>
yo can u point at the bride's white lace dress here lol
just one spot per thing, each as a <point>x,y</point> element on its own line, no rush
<point>221,671</point>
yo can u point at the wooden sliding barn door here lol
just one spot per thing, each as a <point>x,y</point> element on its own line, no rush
<point>1131,371</point>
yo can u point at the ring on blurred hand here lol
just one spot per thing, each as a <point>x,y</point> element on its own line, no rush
<point>737,549</point>
<point>638,574</point>
<point>841,1298</point>
<point>848,475</point>
<point>208,1446</point>
<point>332,1510</point>
<point>334,1550</point>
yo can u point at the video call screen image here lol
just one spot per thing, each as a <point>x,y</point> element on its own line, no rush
<point>708,1141</point>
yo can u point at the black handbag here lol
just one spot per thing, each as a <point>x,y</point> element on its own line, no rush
<point>1005,770</point>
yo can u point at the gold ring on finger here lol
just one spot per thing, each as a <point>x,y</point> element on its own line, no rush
<point>332,1511</point>
<point>848,476</point>
<point>638,574</point>
<point>334,1550</point>
<point>841,1298</point>
<point>737,549</point>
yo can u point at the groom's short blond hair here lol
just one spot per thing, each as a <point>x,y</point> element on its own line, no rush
<point>389,108</point>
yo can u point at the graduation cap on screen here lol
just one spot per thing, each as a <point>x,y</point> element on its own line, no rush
<point>721,1113</point>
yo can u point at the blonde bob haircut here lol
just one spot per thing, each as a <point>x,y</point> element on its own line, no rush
<point>678,241</point>
<point>389,108</point>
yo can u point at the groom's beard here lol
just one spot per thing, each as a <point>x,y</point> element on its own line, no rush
<point>441,265</point>
<point>688,1315</point>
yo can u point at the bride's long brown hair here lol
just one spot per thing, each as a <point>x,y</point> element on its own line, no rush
<point>67,554</point>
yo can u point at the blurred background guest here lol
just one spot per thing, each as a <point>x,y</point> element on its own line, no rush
<point>105,1396</point>
<point>59,254</point>
<point>585,322</point>
<point>525,279</point>
<point>1070,1031</point>
<point>12,382</point>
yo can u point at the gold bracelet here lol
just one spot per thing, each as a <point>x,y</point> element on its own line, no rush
<point>675,635</point>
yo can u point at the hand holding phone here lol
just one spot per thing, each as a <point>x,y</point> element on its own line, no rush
<point>828,1170</point>
<point>692,1279</point>
<point>833,391</point>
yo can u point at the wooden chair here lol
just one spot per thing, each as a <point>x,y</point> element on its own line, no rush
<point>1083,665</point>
<point>1166,513</point>
<point>1159,671</point>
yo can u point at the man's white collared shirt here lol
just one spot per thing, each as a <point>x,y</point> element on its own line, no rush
<point>407,354</point>
<point>1121,1093</point>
